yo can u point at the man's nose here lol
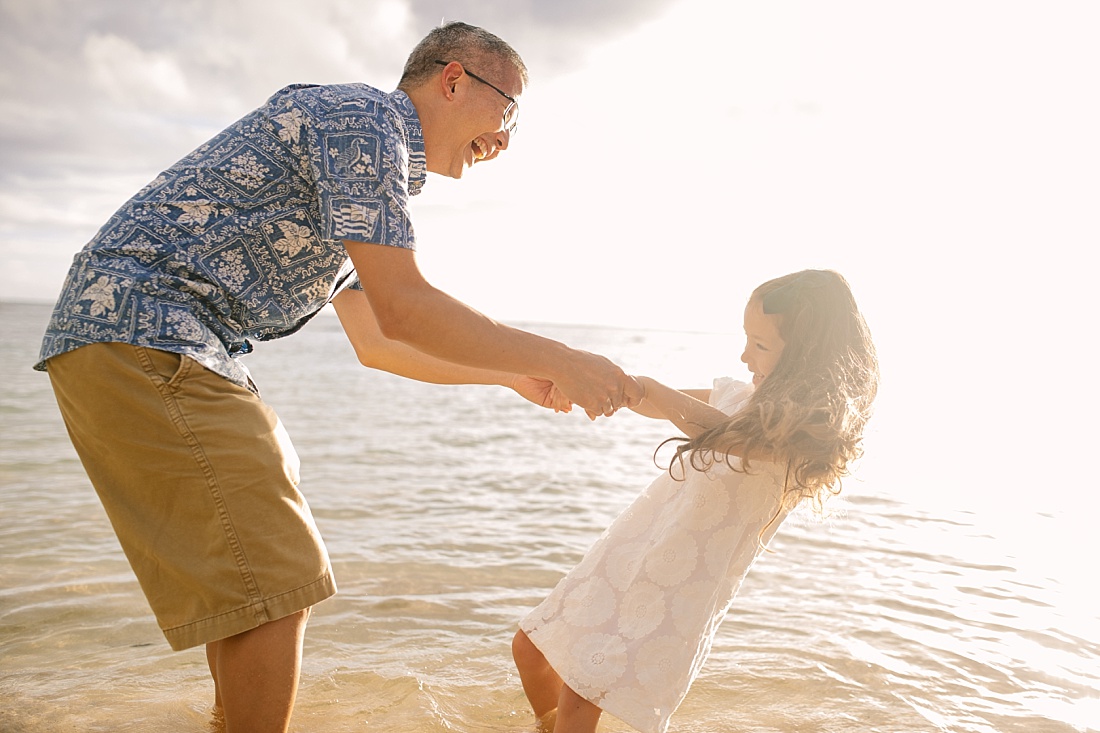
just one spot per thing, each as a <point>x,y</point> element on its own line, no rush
<point>499,143</point>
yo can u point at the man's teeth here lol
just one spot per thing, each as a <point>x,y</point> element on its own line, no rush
<point>479,148</point>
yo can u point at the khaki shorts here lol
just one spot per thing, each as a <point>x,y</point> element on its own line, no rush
<point>199,480</point>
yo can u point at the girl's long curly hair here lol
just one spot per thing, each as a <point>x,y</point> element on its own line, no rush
<point>810,411</point>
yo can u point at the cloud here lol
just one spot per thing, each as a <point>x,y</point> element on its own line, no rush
<point>97,97</point>
<point>75,66</point>
<point>553,37</point>
<point>219,55</point>
<point>757,126</point>
<point>129,74</point>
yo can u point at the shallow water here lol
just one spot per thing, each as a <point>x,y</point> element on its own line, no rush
<point>450,511</point>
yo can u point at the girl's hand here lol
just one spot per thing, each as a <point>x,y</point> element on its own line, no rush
<point>542,392</point>
<point>635,394</point>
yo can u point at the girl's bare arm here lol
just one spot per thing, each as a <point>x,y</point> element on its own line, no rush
<point>686,409</point>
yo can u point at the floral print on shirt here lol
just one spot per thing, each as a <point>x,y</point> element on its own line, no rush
<point>243,238</point>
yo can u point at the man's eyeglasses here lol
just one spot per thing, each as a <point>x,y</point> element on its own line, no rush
<point>511,112</point>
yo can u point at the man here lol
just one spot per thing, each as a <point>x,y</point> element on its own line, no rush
<point>302,202</point>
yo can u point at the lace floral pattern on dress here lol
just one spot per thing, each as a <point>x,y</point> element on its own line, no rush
<point>630,627</point>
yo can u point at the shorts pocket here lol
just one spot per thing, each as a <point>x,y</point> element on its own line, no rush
<point>166,367</point>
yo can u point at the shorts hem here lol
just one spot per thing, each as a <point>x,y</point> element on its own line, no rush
<point>250,616</point>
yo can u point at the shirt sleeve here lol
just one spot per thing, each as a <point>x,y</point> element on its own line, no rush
<point>361,167</point>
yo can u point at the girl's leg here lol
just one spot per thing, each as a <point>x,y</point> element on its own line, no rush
<point>541,683</point>
<point>575,714</point>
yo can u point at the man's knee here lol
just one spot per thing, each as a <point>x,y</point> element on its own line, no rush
<point>296,620</point>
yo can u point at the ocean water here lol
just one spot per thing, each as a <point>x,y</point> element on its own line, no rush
<point>450,511</point>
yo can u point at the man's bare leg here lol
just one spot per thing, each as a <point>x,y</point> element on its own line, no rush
<point>256,675</point>
<point>217,715</point>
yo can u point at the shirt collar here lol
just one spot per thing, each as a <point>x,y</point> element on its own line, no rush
<point>414,140</point>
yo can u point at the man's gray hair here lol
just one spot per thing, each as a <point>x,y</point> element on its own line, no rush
<point>466,44</point>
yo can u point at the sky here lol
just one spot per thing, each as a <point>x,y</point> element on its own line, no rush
<point>672,154</point>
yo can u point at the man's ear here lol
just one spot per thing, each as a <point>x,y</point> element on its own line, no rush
<point>448,79</point>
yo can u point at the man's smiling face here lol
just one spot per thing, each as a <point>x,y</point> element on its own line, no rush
<point>477,130</point>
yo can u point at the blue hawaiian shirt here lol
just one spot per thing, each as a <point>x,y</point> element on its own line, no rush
<point>242,239</point>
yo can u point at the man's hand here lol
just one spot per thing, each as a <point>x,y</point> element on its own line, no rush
<point>599,386</point>
<point>633,395</point>
<point>542,392</point>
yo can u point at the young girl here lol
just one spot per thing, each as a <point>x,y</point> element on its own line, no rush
<point>628,629</point>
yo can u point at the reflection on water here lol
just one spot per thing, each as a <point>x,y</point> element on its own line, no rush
<point>451,511</point>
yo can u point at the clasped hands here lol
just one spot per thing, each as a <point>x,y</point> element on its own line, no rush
<point>544,393</point>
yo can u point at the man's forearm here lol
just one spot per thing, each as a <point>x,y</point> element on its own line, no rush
<point>376,351</point>
<point>411,311</point>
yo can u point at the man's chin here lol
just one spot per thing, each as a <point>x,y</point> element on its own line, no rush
<point>459,170</point>
<point>449,173</point>
<point>453,171</point>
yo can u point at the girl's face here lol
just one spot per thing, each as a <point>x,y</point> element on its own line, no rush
<point>763,345</point>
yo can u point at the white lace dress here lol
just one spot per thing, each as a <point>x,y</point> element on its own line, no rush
<point>631,625</point>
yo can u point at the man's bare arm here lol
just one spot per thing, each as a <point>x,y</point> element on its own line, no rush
<point>376,351</point>
<point>409,310</point>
